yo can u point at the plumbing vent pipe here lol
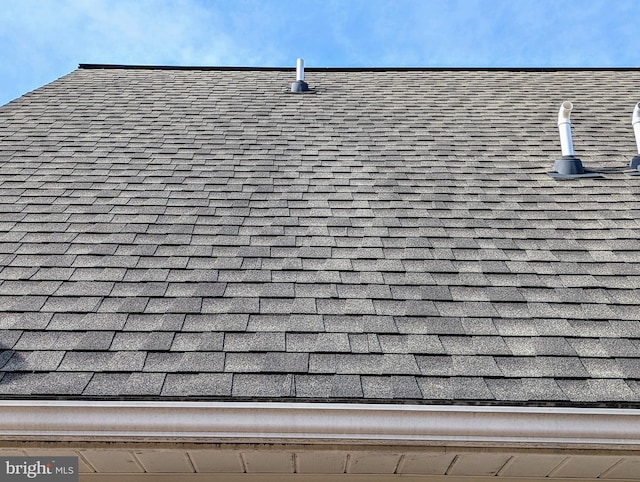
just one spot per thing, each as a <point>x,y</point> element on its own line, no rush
<point>635,122</point>
<point>564,126</point>
<point>299,85</point>
<point>568,164</point>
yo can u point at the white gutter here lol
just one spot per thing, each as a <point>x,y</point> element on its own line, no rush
<point>635,122</point>
<point>317,423</point>
<point>564,126</point>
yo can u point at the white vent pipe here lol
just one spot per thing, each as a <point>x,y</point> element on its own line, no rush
<point>564,126</point>
<point>300,70</point>
<point>635,122</point>
<point>299,85</point>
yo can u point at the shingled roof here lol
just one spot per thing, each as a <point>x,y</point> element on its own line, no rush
<point>391,235</point>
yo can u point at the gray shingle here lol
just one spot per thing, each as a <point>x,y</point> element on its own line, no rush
<point>368,268</point>
<point>122,384</point>
<point>34,361</point>
<point>141,341</point>
<point>6,355</point>
<point>390,387</point>
<point>150,288</point>
<point>626,328</point>
<point>317,342</point>
<point>359,343</point>
<point>133,275</point>
<point>589,347</point>
<point>230,305</point>
<point>515,328</point>
<point>208,263</point>
<point>591,328</point>
<point>475,365</point>
<point>285,323</point>
<point>25,320</point>
<point>531,367</point>
<point>376,364</point>
<point>153,322</point>
<point>265,290</point>
<point>254,342</point>
<point>322,363</point>
<point>429,325</point>
<point>620,347</point>
<point>216,322</point>
<point>602,368</point>
<point>98,274</point>
<point>328,386</point>
<point>103,361</point>
<point>23,303</point>
<point>9,339</point>
<point>479,326</point>
<point>315,290</point>
<point>419,344</point>
<point>189,275</point>
<point>194,385</point>
<point>174,305</point>
<point>438,388</point>
<point>123,305</point>
<point>24,287</point>
<point>84,288</point>
<point>436,365</point>
<point>267,362</point>
<point>287,306</point>
<point>52,383</point>
<point>21,383</point>
<point>171,362</point>
<point>405,308</point>
<point>262,385</point>
<point>411,292</point>
<point>87,321</point>
<point>345,306</point>
<point>593,390</point>
<point>209,341</point>
<point>194,290</point>
<point>629,366</point>
<point>532,389</point>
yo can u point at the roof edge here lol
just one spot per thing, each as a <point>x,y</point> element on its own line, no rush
<point>359,69</point>
<point>315,423</point>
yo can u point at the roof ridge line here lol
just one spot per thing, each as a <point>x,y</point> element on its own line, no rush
<point>358,69</point>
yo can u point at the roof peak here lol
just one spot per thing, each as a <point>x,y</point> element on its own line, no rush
<point>359,69</point>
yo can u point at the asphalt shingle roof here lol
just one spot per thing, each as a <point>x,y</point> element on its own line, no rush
<point>391,235</point>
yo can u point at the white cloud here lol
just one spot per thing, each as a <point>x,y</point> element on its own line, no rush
<point>44,39</point>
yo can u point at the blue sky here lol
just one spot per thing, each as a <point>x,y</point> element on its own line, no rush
<point>41,40</point>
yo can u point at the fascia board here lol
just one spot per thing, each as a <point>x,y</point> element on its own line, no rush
<point>317,423</point>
